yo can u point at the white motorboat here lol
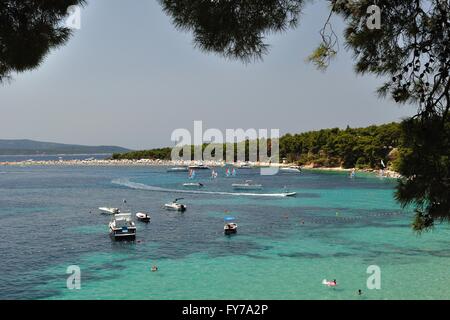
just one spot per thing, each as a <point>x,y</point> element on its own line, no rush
<point>122,227</point>
<point>144,217</point>
<point>288,193</point>
<point>175,206</point>
<point>193,185</point>
<point>178,169</point>
<point>108,210</point>
<point>230,226</point>
<point>248,185</point>
<point>244,166</point>
<point>294,169</point>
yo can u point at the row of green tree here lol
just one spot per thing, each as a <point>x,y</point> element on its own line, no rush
<point>161,153</point>
<point>349,148</point>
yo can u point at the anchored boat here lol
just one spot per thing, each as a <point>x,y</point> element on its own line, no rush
<point>244,165</point>
<point>230,226</point>
<point>122,227</point>
<point>175,206</point>
<point>107,210</point>
<point>294,169</point>
<point>198,167</point>
<point>144,217</point>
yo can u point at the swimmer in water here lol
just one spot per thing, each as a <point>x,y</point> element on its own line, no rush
<point>154,268</point>
<point>359,292</point>
<point>335,282</point>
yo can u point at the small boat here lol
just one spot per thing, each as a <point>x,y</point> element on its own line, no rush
<point>144,217</point>
<point>178,169</point>
<point>230,226</point>
<point>109,210</point>
<point>199,167</point>
<point>248,185</point>
<point>193,185</point>
<point>121,227</point>
<point>175,206</point>
<point>288,193</point>
<point>244,166</point>
<point>295,169</point>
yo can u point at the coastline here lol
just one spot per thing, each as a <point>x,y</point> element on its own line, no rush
<point>167,163</point>
<point>387,173</point>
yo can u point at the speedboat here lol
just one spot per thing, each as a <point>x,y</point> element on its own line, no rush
<point>295,169</point>
<point>193,185</point>
<point>144,217</point>
<point>248,185</point>
<point>122,227</point>
<point>108,210</point>
<point>230,226</point>
<point>288,193</point>
<point>178,169</point>
<point>175,206</point>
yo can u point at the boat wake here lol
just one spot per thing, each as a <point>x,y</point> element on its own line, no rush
<point>141,186</point>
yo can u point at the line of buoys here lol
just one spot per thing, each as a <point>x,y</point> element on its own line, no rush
<point>338,218</point>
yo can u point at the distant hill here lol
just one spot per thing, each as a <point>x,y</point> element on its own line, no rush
<point>30,147</point>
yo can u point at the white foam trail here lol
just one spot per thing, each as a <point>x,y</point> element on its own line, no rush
<point>141,186</point>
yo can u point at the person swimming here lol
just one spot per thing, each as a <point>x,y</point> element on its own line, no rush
<point>359,292</point>
<point>154,268</point>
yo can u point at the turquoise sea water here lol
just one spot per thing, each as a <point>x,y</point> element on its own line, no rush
<point>334,229</point>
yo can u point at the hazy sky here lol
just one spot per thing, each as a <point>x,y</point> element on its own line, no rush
<point>129,78</point>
